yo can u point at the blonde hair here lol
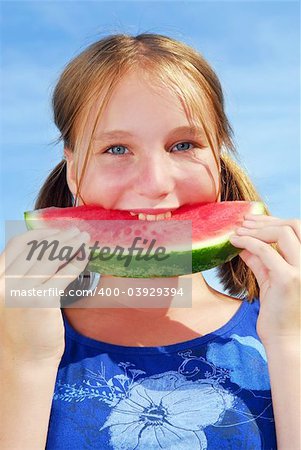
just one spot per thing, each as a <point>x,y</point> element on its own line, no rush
<point>94,74</point>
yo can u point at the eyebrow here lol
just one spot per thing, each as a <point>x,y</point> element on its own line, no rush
<point>117,134</point>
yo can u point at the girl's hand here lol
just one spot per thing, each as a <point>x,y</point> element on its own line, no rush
<point>31,326</point>
<point>278,275</point>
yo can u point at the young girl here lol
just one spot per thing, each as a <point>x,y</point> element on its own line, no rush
<point>143,124</point>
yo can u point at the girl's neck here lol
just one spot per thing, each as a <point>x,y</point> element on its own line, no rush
<point>151,298</point>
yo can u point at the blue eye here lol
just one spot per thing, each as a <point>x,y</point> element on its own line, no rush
<point>182,144</point>
<point>118,147</point>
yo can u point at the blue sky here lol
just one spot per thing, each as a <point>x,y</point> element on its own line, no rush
<point>252,45</point>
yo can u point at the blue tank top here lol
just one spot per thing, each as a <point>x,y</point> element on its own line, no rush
<point>212,392</point>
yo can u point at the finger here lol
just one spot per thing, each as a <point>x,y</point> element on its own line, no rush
<point>52,284</point>
<point>36,253</point>
<point>268,256</point>
<point>16,244</point>
<point>261,219</point>
<point>63,277</point>
<point>287,241</point>
<point>255,264</point>
<point>65,253</point>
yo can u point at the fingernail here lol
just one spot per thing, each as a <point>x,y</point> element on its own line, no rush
<point>85,236</point>
<point>74,230</point>
<point>248,223</point>
<point>242,230</point>
<point>53,230</point>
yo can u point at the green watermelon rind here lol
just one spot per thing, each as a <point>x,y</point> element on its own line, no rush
<point>178,263</point>
<point>29,217</point>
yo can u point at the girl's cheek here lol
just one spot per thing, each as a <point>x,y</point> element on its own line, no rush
<point>102,186</point>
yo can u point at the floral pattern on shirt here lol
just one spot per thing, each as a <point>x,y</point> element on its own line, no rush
<point>175,409</point>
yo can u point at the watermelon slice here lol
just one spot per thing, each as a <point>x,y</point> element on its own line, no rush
<point>194,239</point>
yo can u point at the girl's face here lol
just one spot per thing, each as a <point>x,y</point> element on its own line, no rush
<point>144,154</point>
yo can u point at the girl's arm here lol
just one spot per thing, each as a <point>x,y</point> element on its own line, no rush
<point>278,324</point>
<point>31,337</point>
<point>26,391</point>
<point>284,370</point>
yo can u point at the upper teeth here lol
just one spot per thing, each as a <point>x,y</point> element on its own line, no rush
<point>142,216</point>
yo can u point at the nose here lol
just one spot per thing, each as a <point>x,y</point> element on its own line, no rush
<point>155,178</point>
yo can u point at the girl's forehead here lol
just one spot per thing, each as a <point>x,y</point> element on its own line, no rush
<point>134,100</point>
<point>147,83</point>
<point>140,99</point>
<point>134,84</point>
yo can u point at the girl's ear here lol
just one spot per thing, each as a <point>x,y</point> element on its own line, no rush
<point>69,157</point>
